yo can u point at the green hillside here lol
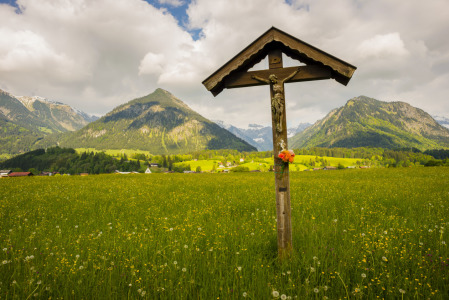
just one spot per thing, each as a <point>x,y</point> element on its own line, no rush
<point>159,123</point>
<point>25,121</point>
<point>366,122</point>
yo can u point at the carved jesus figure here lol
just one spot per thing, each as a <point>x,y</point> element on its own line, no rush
<point>277,102</point>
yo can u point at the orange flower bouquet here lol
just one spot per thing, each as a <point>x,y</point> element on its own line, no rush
<point>287,156</point>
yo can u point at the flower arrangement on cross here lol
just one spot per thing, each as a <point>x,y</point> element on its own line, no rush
<point>287,156</point>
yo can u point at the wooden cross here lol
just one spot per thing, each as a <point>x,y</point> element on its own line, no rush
<point>235,74</point>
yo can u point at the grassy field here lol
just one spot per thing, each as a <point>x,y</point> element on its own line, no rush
<point>356,233</point>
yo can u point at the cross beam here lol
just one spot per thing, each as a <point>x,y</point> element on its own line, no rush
<point>306,73</point>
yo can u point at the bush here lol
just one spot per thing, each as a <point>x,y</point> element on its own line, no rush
<point>434,163</point>
<point>240,169</point>
<point>179,168</point>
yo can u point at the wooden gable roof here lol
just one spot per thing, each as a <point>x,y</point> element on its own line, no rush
<point>273,39</point>
<point>20,174</point>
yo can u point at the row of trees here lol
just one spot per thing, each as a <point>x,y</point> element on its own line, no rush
<point>67,161</point>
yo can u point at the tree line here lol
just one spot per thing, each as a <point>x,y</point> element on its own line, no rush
<point>68,161</point>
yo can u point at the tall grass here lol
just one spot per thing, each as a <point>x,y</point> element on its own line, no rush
<point>356,234</point>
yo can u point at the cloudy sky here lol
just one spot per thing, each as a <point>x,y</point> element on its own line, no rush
<point>97,54</point>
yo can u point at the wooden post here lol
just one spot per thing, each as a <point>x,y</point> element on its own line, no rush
<point>281,169</point>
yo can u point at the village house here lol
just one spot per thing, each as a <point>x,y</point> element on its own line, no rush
<point>20,174</point>
<point>330,168</point>
<point>119,172</point>
<point>4,173</point>
<point>48,173</point>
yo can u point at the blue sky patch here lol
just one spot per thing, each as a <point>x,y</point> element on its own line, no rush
<point>180,14</point>
<point>12,3</point>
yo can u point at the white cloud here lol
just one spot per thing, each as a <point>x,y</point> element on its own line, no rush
<point>96,55</point>
<point>152,64</point>
<point>26,52</point>
<point>383,45</point>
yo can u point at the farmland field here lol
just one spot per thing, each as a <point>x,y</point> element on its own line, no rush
<point>356,234</point>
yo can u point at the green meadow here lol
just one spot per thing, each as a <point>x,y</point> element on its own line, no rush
<point>357,234</point>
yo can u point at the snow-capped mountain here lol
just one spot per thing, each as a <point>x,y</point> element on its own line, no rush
<point>258,135</point>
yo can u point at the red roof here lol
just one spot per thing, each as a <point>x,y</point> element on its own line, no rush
<point>19,174</point>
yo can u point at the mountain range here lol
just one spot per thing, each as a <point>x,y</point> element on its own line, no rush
<point>367,122</point>
<point>163,124</point>
<point>27,120</point>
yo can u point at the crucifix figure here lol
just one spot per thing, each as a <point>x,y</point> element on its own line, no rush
<point>277,102</point>
<point>235,74</point>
